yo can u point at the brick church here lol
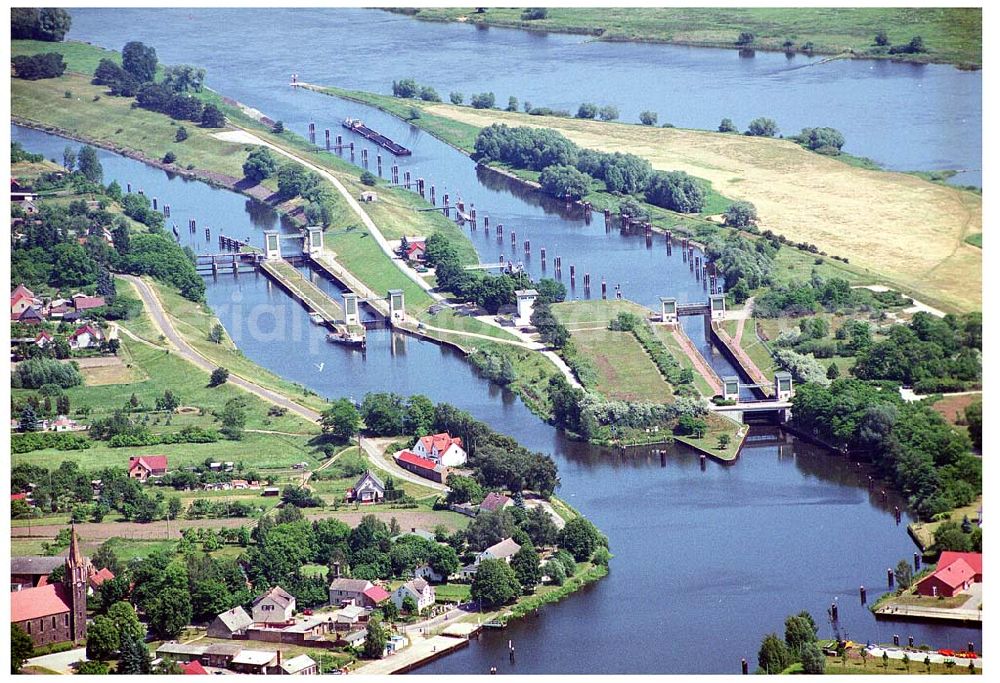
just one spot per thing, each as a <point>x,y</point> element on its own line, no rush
<point>56,613</point>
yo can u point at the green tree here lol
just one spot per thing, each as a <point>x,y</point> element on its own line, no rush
<point>260,164</point>
<point>368,178</point>
<point>745,38</point>
<point>418,418</point>
<point>140,61</point>
<point>556,572</point>
<point>608,113</point>
<point>727,126</point>
<point>813,659</point>
<point>974,419</point>
<point>103,638</point>
<point>375,639</point>
<point>174,507</point>
<point>799,630</point>
<point>181,134</point>
<point>219,376</point>
<point>741,215</point>
<point>676,191</point>
<point>494,584</point>
<point>580,537</point>
<point>29,419</point>
<point>410,605</point>
<point>832,371</point>
<point>92,668</point>
<point>587,110</point>
<point>21,648</point>
<point>881,38</point>
<point>724,440</point>
<point>464,489</point>
<point>456,97</point>
<point>341,420</point>
<point>69,158</point>
<point>169,612</point>
<point>183,78</point>
<point>773,656</point>
<point>234,418</point>
<point>217,334</point>
<point>763,127</point>
<point>134,658</point>
<point>648,118</point>
<point>53,24</point>
<point>88,164</point>
<point>564,182</point>
<point>527,569</point>
<point>512,103</point>
<point>212,117</point>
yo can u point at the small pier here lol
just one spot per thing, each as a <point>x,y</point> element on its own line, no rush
<point>357,126</point>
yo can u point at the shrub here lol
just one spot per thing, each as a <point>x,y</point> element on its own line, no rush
<point>586,111</point>
<point>484,100</point>
<point>534,13</point>
<point>763,127</point>
<point>169,158</point>
<point>648,118</point>
<point>181,135</point>
<point>368,178</point>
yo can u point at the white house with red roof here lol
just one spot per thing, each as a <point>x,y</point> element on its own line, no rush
<point>21,299</point>
<point>43,339</point>
<point>142,467</point>
<point>415,251</point>
<point>441,448</point>
<point>65,424</point>
<point>85,337</point>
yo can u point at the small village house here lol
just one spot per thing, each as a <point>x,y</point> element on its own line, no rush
<point>230,623</point>
<point>358,592</point>
<point>955,573</point>
<point>442,449</point>
<point>142,467</point>
<point>368,489</point>
<point>82,302</point>
<point>274,607</point>
<point>418,589</point>
<point>302,665</point>
<point>495,501</point>
<point>504,550</point>
<point>21,299</point>
<point>85,337</point>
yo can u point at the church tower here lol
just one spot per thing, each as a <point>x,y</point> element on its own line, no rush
<point>75,584</point>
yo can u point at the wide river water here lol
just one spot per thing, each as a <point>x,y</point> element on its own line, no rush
<point>706,562</point>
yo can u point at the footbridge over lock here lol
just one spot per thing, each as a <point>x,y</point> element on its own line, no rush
<point>776,408</point>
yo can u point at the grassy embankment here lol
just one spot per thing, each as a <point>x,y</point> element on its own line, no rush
<point>923,532</point>
<point>111,122</point>
<point>952,35</point>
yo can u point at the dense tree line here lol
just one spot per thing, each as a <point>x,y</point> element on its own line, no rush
<point>567,169</point>
<point>931,353</point>
<point>909,443</point>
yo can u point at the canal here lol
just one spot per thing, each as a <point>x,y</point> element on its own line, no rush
<point>706,562</point>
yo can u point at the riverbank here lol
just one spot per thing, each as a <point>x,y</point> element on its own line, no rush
<point>952,35</point>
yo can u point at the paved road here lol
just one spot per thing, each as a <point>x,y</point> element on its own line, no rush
<point>60,661</point>
<point>162,321</point>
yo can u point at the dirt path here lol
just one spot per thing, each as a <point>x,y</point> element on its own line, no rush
<point>162,321</point>
<point>703,368</point>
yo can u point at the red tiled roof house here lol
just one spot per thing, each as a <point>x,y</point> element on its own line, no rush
<point>142,467</point>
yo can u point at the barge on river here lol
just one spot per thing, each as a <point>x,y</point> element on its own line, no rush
<point>347,338</point>
<point>358,126</point>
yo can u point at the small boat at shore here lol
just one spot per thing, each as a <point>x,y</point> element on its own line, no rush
<point>316,318</point>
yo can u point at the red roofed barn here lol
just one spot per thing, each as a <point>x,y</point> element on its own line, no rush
<point>948,581</point>
<point>409,460</point>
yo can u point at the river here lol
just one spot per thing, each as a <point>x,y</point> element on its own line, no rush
<point>906,116</point>
<point>705,562</point>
